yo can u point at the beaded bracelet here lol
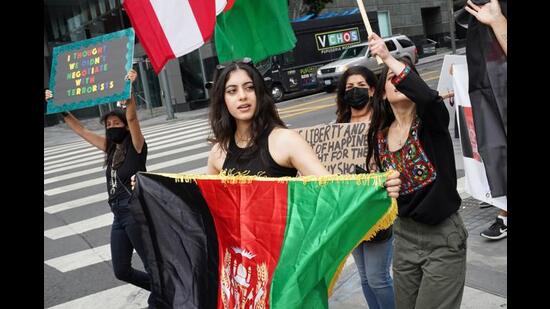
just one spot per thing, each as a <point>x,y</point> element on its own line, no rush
<point>398,78</point>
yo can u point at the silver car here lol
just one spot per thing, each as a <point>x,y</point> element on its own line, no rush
<point>400,46</point>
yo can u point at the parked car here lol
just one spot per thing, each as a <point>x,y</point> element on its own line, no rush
<point>400,46</point>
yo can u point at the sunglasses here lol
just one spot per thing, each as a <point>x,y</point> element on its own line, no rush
<point>245,60</point>
<point>221,66</point>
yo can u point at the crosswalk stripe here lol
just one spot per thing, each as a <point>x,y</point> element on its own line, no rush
<point>99,158</point>
<point>99,180</point>
<point>100,169</point>
<point>152,144</point>
<point>80,226</point>
<point>156,128</point>
<point>121,297</point>
<point>80,259</point>
<point>100,197</point>
<point>164,136</point>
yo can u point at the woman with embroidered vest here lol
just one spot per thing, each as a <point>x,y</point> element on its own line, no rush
<point>409,133</point>
<point>373,257</point>
<point>125,154</point>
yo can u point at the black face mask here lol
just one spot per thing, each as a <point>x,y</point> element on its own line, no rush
<point>357,97</point>
<point>117,135</point>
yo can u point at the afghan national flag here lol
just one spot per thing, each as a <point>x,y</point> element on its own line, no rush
<point>252,242</point>
<point>254,29</point>
<point>171,28</point>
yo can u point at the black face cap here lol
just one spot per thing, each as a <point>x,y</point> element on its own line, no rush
<point>463,17</point>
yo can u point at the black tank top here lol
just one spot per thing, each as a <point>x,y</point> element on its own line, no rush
<point>259,163</point>
<point>118,180</point>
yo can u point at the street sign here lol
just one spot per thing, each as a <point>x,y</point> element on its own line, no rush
<point>91,72</point>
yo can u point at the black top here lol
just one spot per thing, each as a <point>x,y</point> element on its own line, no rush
<point>259,163</point>
<point>133,162</point>
<point>439,199</point>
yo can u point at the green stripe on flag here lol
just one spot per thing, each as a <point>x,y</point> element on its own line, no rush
<point>255,29</point>
<point>324,223</point>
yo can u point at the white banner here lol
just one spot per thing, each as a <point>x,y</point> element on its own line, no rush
<point>476,183</point>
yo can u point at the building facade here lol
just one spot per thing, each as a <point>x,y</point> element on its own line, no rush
<point>182,86</point>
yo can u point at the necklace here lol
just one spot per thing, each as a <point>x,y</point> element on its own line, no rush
<point>399,133</point>
<point>240,140</point>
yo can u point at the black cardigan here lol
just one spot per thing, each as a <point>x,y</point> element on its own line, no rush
<point>438,200</point>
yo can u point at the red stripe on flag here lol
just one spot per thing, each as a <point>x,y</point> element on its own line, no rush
<point>229,5</point>
<point>150,32</point>
<point>205,16</point>
<point>250,220</point>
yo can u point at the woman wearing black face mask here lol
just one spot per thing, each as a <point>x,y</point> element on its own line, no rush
<point>373,257</point>
<point>125,155</point>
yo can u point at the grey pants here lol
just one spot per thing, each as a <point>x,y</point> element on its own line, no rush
<point>429,263</point>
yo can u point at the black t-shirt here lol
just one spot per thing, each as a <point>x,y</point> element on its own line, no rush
<point>438,200</point>
<point>119,180</point>
<point>260,163</point>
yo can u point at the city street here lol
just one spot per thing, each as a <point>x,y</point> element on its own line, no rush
<point>77,219</point>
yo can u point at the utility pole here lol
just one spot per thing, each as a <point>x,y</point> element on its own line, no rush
<point>166,94</point>
<point>452,25</point>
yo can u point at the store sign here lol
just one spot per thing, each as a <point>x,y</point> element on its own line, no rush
<point>91,72</point>
<point>337,38</point>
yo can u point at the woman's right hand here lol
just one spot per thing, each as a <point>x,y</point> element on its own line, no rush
<point>378,47</point>
<point>48,94</point>
<point>133,181</point>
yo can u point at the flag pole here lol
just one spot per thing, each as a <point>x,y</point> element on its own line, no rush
<point>367,23</point>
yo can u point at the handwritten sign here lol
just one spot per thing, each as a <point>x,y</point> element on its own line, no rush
<point>91,72</point>
<point>339,146</point>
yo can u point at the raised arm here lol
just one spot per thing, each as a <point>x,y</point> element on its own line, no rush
<point>131,115</point>
<point>73,123</point>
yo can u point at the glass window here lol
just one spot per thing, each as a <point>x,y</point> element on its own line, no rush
<point>264,65</point>
<point>288,58</point>
<point>354,51</point>
<point>391,45</point>
<point>405,43</point>
<point>384,24</point>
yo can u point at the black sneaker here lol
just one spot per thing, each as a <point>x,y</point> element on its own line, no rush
<point>496,231</point>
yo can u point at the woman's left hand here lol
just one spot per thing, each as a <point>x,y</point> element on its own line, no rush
<point>488,13</point>
<point>393,184</point>
<point>132,75</point>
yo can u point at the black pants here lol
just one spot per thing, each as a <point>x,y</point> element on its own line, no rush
<point>125,236</point>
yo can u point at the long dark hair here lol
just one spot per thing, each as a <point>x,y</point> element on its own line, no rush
<point>224,125</point>
<point>382,114</point>
<point>343,111</point>
<point>110,147</point>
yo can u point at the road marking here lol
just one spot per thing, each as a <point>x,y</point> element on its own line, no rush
<point>150,142</point>
<point>80,226</point>
<point>125,296</point>
<point>313,109</point>
<point>80,259</point>
<point>100,169</point>
<point>99,180</point>
<point>100,197</point>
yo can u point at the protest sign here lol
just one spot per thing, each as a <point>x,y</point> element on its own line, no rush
<point>91,72</point>
<point>338,146</point>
